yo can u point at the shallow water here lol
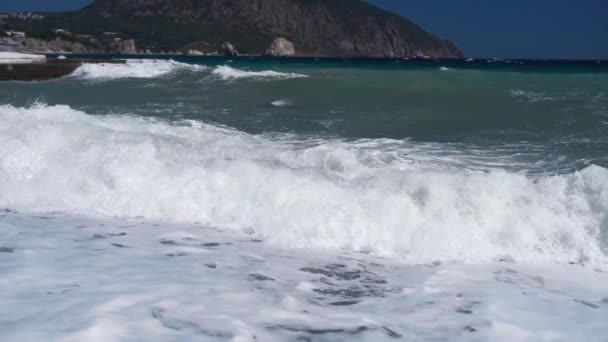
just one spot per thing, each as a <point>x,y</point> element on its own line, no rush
<point>75,279</point>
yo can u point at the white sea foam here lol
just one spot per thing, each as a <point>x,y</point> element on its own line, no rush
<point>533,96</point>
<point>444,68</point>
<point>225,72</point>
<point>282,103</point>
<point>72,278</point>
<point>144,68</point>
<point>147,68</point>
<point>358,196</point>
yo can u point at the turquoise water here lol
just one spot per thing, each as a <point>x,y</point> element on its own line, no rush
<point>552,114</point>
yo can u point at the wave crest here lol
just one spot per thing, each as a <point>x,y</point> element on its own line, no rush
<point>144,68</point>
<point>328,195</point>
<point>225,72</point>
<point>147,69</point>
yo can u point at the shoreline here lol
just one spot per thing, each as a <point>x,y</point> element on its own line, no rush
<point>52,66</point>
<point>326,58</point>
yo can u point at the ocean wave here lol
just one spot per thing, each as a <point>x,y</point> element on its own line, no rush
<point>144,68</point>
<point>227,73</point>
<point>352,195</point>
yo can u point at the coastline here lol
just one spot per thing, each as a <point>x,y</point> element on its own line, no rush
<point>57,65</point>
<point>468,60</point>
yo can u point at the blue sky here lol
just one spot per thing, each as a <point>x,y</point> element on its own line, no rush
<point>569,29</point>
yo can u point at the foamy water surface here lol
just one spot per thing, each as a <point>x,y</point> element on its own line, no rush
<point>230,201</point>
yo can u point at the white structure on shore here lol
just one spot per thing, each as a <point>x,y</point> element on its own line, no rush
<point>20,58</point>
<point>15,34</point>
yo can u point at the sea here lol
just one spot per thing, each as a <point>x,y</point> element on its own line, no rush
<point>302,199</point>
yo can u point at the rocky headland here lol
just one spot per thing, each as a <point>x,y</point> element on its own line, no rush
<point>322,28</point>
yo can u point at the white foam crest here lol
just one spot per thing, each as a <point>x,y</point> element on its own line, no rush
<point>225,72</point>
<point>282,103</point>
<point>532,96</point>
<point>359,196</point>
<point>133,68</point>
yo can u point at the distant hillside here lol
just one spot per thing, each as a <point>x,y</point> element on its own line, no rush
<point>344,28</point>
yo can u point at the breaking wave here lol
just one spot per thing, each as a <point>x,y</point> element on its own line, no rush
<point>319,194</point>
<point>227,73</point>
<point>144,68</point>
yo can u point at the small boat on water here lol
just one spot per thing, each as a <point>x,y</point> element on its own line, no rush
<point>31,67</point>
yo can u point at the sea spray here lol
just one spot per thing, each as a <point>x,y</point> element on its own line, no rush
<point>330,195</point>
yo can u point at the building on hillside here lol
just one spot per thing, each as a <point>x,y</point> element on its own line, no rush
<point>62,32</point>
<point>15,34</point>
<point>22,16</point>
<point>7,45</point>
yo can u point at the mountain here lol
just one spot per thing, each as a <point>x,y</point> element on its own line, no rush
<point>340,28</point>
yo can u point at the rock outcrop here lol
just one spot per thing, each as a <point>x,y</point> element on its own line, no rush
<point>124,47</point>
<point>281,47</point>
<point>229,50</point>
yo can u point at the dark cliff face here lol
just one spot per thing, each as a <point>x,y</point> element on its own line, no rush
<point>316,27</point>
